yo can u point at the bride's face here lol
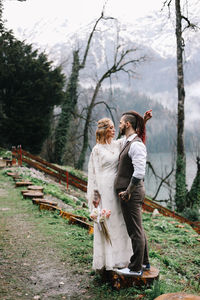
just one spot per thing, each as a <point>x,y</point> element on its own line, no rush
<point>110,132</point>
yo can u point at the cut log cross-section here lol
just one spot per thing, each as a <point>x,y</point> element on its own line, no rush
<point>33,194</point>
<point>44,201</point>
<point>23,183</point>
<point>119,281</point>
<point>36,188</point>
<point>176,296</point>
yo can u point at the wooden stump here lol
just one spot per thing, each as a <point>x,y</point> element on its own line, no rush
<point>176,296</point>
<point>44,201</point>
<point>36,188</point>
<point>15,176</point>
<point>33,194</point>
<point>77,220</point>
<point>24,191</point>
<point>8,163</point>
<point>23,183</point>
<point>68,216</point>
<point>11,174</point>
<point>119,281</point>
<point>48,207</point>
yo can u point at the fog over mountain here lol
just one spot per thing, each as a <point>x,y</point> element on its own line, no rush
<point>152,35</point>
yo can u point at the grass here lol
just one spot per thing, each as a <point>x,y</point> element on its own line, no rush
<point>58,192</point>
<point>173,249</point>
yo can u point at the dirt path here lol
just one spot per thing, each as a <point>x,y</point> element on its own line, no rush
<point>30,265</point>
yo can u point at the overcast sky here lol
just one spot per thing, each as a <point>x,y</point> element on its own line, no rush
<point>76,12</point>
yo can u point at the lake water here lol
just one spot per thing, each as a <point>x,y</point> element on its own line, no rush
<point>162,164</point>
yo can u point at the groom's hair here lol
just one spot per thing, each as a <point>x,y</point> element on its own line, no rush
<point>131,119</point>
<point>137,122</point>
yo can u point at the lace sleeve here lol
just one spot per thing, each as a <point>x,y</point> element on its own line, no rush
<point>120,143</point>
<point>92,177</point>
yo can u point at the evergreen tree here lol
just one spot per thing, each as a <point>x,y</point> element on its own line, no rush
<point>68,108</point>
<point>29,89</point>
<point>193,196</point>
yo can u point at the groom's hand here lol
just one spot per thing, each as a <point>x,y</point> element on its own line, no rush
<point>147,115</point>
<point>124,196</point>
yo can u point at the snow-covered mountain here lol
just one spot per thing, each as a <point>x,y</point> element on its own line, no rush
<point>153,35</point>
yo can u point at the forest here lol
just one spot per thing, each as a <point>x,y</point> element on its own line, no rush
<point>53,114</point>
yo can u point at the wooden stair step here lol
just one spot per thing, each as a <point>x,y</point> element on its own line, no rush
<point>8,162</point>
<point>119,281</point>
<point>15,176</point>
<point>36,188</point>
<point>44,201</point>
<point>33,194</point>
<point>23,183</point>
<point>24,191</point>
<point>48,207</point>
<point>12,174</point>
<point>68,215</point>
<point>73,220</point>
<point>175,296</point>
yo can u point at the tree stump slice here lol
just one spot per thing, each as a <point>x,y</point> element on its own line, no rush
<point>68,216</point>
<point>12,174</point>
<point>23,183</point>
<point>44,201</point>
<point>36,188</point>
<point>8,162</point>
<point>48,207</point>
<point>177,296</point>
<point>15,176</point>
<point>119,281</point>
<point>33,194</point>
<point>24,191</point>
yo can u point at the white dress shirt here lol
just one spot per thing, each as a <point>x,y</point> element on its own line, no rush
<point>138,155</point>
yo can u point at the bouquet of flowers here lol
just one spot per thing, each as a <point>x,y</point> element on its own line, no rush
<point>99,216</point>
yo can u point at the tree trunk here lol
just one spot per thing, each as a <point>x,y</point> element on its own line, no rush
<point>68,107</point>
<point>180,196</point>
<point>81,160</point>
<point>193,196</point>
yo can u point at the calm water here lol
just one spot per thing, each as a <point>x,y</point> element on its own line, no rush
<point>162,163</point>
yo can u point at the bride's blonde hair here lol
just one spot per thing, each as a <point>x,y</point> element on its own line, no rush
<point>102,130</point>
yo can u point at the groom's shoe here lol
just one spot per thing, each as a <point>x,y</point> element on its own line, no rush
<point>146,267</point>
<point>124,271</point>
<point>136,273</point>
<point>128,272</point>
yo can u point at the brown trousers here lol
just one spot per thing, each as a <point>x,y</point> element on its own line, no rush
<point>132,212</point>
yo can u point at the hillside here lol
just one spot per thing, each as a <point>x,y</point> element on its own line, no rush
<point>53,259</point>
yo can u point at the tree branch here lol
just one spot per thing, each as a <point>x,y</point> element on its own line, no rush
<point>190,25</point>
<point>161,183</point>
<point>82,65</point>
<point>108,107</point>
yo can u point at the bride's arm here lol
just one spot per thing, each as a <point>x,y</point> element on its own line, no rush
<point>92,186</point>
<point>120,143</point>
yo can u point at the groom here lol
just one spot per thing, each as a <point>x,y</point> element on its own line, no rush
<point>129,184</point>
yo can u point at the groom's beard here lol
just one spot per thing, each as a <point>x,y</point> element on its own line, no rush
<point>123,130</point>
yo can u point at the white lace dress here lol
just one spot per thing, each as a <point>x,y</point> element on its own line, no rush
<point>102,169</point>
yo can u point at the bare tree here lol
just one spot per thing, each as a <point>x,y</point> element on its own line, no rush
<point>180,196</point>
<point>121,63</point>
<point>62,131</point>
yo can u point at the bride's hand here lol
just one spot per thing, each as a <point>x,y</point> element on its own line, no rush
<point>97,198</point>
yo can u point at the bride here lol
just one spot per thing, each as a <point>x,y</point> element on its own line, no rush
<point>102,169</point>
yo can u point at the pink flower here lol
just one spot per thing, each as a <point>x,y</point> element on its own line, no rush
<point>108,213</point>
<point>103,212</point>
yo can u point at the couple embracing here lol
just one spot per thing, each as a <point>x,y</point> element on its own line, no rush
<point>116,173</point>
